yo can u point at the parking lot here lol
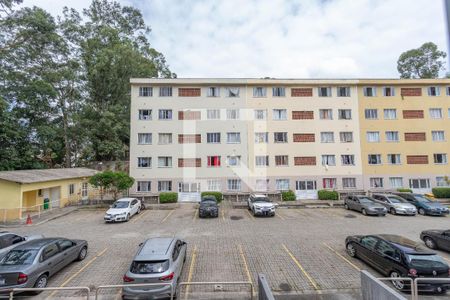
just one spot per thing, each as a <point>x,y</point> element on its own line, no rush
<point>301,251</point>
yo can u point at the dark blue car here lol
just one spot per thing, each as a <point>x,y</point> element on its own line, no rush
<point>424,205</point>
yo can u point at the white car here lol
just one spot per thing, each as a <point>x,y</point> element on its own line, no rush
<point>261,205</point>
<point>123,209</point>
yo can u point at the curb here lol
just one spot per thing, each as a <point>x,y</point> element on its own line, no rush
<point>41,222</point>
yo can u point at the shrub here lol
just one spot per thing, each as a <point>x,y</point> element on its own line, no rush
<point>441,192</point>
<point>218,195</point>
<point>402,190</point>
<point>168,197</point>
<point>328,195</point>
<point>288,196</point>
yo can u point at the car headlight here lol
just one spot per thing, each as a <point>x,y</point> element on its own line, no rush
<point>121,214</point>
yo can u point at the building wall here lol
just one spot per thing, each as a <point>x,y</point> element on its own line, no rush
<point>10,197</point>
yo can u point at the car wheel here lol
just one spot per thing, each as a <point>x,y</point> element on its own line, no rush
<point>398,284</point>
<point>364,212</point>
<point>422,211</point>
<point>392,211</point>
<point>351,250</point>
<point>139,210</point>
<point>429,243</point>
<point>41,282</point>
<point>128,217</point>
<point>82,254</point>
<point>346,206</point>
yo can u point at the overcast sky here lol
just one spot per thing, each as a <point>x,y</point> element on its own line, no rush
<point>285,38</point>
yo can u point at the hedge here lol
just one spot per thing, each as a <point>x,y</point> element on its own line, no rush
<point>328,195</point>
<point>441,192</point>
<point>288,196</point>
<point>402,190</point>
<point>168,197</point>
<point>218,195</point>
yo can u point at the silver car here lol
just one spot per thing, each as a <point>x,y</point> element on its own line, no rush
<point>33,263</point>
<point>9,240</point>
<point>365,205</point>
<point>158,260</point>
<point>395,205</point>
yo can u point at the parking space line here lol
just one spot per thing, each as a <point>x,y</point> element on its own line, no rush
<point>191,270</point>
<point>251,216</point>
<point>138,217</point>
<point>311,280</point>
<point>341,256</point>
<point>280,216</point>
<point>303,214</point>
<point>168,215</point>
<point>223,215</point>
<point>446,259</point>
<point>247,271</point>
<point>195,215</point>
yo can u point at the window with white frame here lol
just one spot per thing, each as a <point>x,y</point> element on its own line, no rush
<point>164,161</point>
<point>390,114</point>
<point>373,136</point>
<point>326,114</point>
<point>374,159</point>
<point>214,185</point>
<point>394,159</point>
<point>213,91</point>
<point>440,158</point>
<point>233,114</point>
<point>234,160</point>
<point>345,114</point>
<point>419,183</point>
<point>434,91</point>
<point>369,91</point>
<point>280,137</point>
<point>376,182</point>
<point>165,91</point>
<point>441,181</point>
<point>346,136</point>
<point>343,91</point>
<point>281,160</point>
<point>144,138</point>
<point>234,184</point>
<point>388,91</point>
<point>392,136</point>
<point>262,185</point>
<point>305,185</point>
<point>71,189</point>
<point>144,186</point>
<point>348,160</point>
<point>435,113</point>
<point>327,137</point>
<point>232,92</point>
<point>164,138</point>
<point>328,160</point>
<point>349,183</point>
<point>448,90</point>
<point>371,114</point>
<point>145,114</point>
<point>329,183</point>
<point>233,137</point>
<point>396,182</point>
<point>259,92</point>
<point>260,114</point>
<point>279,114</point>
<point>438,135</point>
<point>165,114</point>
<point>262,160</point>
<point>213,137</point>
<point>324,91</point>
<point>144,162</point>
<point>145,91</point>
<point>261,137</point>
<point>282,184</point>
<point>164,186</point>
<point>213,114</point>
<point>278,92</point>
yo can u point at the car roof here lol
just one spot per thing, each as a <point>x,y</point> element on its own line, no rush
<point>156,248</point>
<point>404,244</point>
<point>2,233</point>
<point>125,199</point>
<point>37,243</point>
<point>258,195</point>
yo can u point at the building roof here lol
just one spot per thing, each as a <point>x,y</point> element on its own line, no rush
<point>43,175</point>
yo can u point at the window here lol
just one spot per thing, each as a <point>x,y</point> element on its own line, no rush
<point>262,160</point>
<point>328,160</point>
<point>419,183</point>
<point>165,114</point>
<point>144,186</point>
<point>373,136</point>
<point>232,92</point>
<point>345,114</point>
<point>438,135</point>
<point>329,183</point>
<point>324,91</point>
<point>390,114</point>
<point>278,92</point>
<point>213,114</point>
<point>214,185</point>
<point>349,183</point>
<point>305,185</point>
<point>213,161</point>
<point>280,137</point>
<point>434,91</point>
<point>165,91</point>
<point>164,162</point>
<point>326,114</point>
<point>369,91</point>
<point>346,136</point>
<point>440,158</point>
<point>233,137</point>
<point>144,138</point>
<point>388,91</point>
<point>393,159</point>
<point>260,114</point>
<point>145,114</point>
<point>327,137</point>
<point>164,138</point>
<point>40,193</point>
<point>392,136</point>
<point>50,251</point>
<point>234,160</point>
<point>282,184</point>
<point>259,92</point>
<point>144,162</point>
<point>213,138</point>
<point>374,159</point>
<point>396,182</point>
<point>376,182</point>
<point>261,137</point>
<point>164,186</point>
<point>343,91</point>
<point>441,181</point>
<point>281,160</point>
<point>234,184</point>
<point>435,113</point>
<point>262,185</point>
<point>369,242</point>
<point>448,90</point>
<point>145,91</point>
<point>371,114</point>
<point>232,114</point>
<point>348,160</point>
<point>213,91</point>
<point>280,114</point>
<point>84,189</point>
<point>71,189</point>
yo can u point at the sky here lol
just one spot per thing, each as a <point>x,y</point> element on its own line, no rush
<point>284,38</point>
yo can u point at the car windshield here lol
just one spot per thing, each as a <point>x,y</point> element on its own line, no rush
<point>261,199</point>
<point>149,267</point>
<point>425,261</point>
<point>19,257</point>
<point>364,200</point>
<point>120,204</point>
<point>423,199</point>
<point>208,202</point>
<point>396,200</point>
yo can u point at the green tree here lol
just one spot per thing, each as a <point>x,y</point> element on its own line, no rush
<point>121,182</point>
<point>424,62</point>
<point>103,181</point>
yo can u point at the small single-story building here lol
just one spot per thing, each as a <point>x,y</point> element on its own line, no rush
<point>31,191</point>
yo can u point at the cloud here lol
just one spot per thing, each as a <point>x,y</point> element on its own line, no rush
<point>282,38</point>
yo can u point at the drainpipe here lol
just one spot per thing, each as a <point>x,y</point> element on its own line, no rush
<point>447,12</point>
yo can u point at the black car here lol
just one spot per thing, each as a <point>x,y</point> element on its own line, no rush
<point>208,207</point>
<point>396,256</point>
<point>436,239</point>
